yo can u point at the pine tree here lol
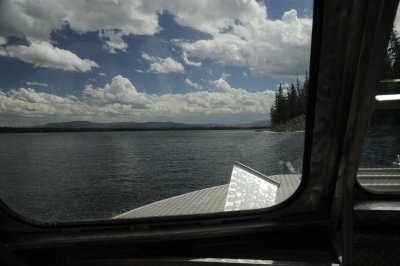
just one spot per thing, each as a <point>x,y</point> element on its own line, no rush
<point>274,110</point>
<point>290,105</point>
<point>306,85</point>
<point>281,106</point>
<point>387,70</point>
<point>299,107</point>
<point>292,102</point>
<point>394,53</point>
<point>390,70</point>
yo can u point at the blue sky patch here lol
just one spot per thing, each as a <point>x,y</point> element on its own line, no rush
<point>191,61</point>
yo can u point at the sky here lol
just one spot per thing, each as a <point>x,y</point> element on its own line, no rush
<point>212,61</point>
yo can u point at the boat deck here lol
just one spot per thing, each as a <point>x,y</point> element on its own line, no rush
<point>211,200</point>
<point>207,200</point>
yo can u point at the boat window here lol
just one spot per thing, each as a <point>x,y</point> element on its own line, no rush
<point>127,109</point>
<point>380,161</point>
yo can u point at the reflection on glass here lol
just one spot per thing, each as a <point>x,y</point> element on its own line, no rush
<point>249,189</point>
<point>379,163</point>
<point>380,160</point>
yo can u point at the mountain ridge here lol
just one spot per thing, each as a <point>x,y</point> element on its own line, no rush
<point>148,125</point>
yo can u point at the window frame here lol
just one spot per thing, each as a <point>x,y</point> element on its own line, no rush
<point>309,207</point>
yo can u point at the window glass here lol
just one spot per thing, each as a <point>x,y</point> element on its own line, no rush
<point>127,109</point>
<point>380,161</point>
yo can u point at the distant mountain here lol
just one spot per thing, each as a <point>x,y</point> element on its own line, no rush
<point>260,123</point>
<point>71,124</point>
<point>145,125</point>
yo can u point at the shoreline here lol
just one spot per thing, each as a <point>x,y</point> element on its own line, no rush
<point>59,130</point>
<point>288,131</point>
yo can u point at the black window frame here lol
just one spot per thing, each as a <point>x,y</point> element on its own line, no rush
<point>308,208</point>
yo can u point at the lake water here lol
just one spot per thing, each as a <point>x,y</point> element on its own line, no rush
<point>96,175</point>
<point>380,151</point>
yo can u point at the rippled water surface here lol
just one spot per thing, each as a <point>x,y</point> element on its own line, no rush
<point>77,176</point>
<point>380,151</point>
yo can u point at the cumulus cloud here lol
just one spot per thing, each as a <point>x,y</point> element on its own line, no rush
<point>120,91</point>
<point>240,32</point>
<point>150,58</point>
<point>188,62</point>
<point>34,83</point>
<point>113,40</point>
<point>166,65</point>
<point>193,84</point>
<point>284,85</point>
<point>163,65</point>
<point>3,51</point>
<point>3,40</point>
<point>276,47</point>
<point>44,54</point>
<point>120,100</point>
<point>221,84</point>
<point>37,19</point>
<point>25,18</point>
<point>31,103</point>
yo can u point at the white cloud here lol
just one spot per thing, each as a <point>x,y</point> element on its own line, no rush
<point>397,20</point>
<point>188,62</point>
<point>3,51</point>
<point>120,90</point>
<point>193,84</point>
<point>120,100</point>
<point>31,103</point>
<point>284,86</point>
<point>212,16</point>
<point>167,65</point>
<point>114,19</point>
<point>102,74</point>
<point>241,33</point>
<point>221,84</point>
<point>34,83</point>
<point>44,54</point>
<point>275,47</point>
<point>26,18</point>
<point>113,40</point>
<point>3,40</point>
<point>149,58</point>
<point>163,65</point>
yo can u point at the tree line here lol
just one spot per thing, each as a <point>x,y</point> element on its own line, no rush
<point>290,103</point>
<point>389,85</point>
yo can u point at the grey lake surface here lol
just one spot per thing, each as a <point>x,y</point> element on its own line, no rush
<point>97,175</point>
